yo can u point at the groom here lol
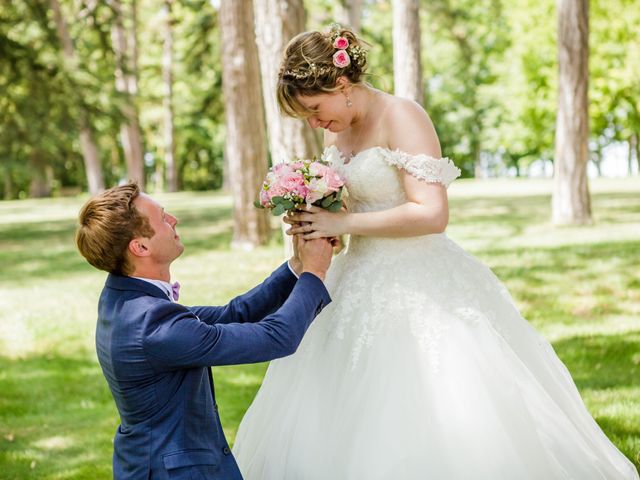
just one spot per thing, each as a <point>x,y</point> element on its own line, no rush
<point>156,353</point>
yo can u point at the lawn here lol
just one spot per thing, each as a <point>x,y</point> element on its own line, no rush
<point>579,286</point>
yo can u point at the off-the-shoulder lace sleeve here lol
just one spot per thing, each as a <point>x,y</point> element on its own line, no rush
<point>424,167</point>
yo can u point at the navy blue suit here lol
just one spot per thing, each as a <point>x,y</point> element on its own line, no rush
<point>156,354</point>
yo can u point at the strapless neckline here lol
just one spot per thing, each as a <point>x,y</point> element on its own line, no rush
<point>347,159</point>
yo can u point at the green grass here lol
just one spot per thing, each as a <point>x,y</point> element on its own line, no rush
<point>579,286</point>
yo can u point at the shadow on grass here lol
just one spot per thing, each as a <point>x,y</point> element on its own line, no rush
<point>236,386</point>
<point>57,419</point>
<point>518,213</point>
<point>599,279</point>
<point>512,214</point>
<point>47,249</point>
<point>57,411</point>
<point>604,364</point>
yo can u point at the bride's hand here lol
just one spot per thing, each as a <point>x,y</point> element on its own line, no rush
<point>316,222</point>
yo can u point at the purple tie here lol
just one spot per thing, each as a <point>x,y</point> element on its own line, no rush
<point>175,290</point>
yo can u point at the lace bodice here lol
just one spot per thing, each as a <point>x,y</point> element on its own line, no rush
<point>373,180</point>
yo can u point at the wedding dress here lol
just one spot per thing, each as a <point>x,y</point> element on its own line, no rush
<point>421,368</point>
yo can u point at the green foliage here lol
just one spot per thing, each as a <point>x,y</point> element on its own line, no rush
<point>43,93</point>
<point>464,42</point>
<point>522,130</point>
<point>614,108</point>
<point>490,74</point>
<point>198,108</point>
<point>34,106</point>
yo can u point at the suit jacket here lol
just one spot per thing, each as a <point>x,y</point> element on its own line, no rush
<point>156,354</point>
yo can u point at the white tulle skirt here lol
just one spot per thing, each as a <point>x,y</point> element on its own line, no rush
<point>421,368</point>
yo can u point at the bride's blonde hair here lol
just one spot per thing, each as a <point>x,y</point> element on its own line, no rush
<point>308,67</point>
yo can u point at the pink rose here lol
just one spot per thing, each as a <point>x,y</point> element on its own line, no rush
<point>341,59</point>
<point>282,169</point>
<point>317,190</point>
<point>276,191</point>
<point>317,169</point>
<point>292,182</point>
<point>302,191</point>
<point>341,43</point>
<point>334,182</point>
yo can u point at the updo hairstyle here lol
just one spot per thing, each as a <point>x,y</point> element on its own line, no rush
<point>313,62</point>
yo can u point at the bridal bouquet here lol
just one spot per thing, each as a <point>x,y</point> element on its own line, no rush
<point>290,185</point>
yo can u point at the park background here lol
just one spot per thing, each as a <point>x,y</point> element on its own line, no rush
<point>178,95</point>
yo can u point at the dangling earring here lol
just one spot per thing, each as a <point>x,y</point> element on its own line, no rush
<point>349,102</point>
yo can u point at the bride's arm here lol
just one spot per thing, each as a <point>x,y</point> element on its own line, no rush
<point>426,210</point>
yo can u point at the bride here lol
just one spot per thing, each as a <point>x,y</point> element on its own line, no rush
<point>422,367</point>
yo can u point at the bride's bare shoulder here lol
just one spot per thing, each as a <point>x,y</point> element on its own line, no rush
<point>409,127</point>
<point>399,110</point>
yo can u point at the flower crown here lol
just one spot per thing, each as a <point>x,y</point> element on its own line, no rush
<point>343,57</point>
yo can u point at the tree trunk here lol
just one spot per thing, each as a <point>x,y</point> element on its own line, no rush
<point>634,148</point>
<point>8,184</point>
<point>277,21</point>
<point>597,161</point>
<point>478,170</point>
<point>349,13</point>
<point>41,176</point>
<point>93,170</point>
<point>571,202</point>
<point>226,180</point>
<point>407,76</point>
<point>167,75</point>
<point>125,48</point>
<point>516,163</point>
<point>637,143</point>
<point>246,139</point>
<point>91,157</point>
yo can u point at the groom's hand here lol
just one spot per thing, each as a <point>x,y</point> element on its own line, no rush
<point>315,255</point>
<point>294,262</point>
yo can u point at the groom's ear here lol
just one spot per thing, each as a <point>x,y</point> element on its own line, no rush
<point>139,247</point>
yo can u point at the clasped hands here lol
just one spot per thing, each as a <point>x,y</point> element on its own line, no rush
<point>314,222</point>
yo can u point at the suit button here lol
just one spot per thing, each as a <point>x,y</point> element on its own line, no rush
<point>226,450</point>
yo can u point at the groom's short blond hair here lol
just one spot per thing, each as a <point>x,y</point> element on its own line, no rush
<point>108,222</point>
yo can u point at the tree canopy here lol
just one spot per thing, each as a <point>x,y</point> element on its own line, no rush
<point>489,69</point>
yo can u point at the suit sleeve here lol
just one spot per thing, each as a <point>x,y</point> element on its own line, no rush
<point>176,338</point>
<point>254,305</point>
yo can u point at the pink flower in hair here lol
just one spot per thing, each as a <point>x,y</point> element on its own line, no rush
<point>341,59</point>
<point>341,43</point>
